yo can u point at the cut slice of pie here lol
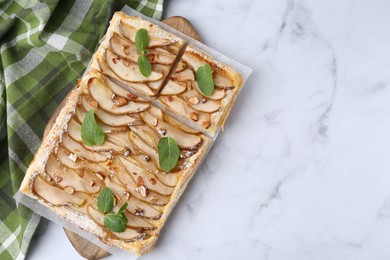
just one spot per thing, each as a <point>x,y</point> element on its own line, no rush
<point>67,175</point>
<point>182,95</point>
<point>117,55</point>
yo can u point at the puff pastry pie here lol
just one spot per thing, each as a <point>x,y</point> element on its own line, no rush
<point>134,112</point>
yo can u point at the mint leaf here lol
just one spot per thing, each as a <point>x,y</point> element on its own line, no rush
<point>105,200</point>
<point>144,65</point>
<point>168,153</point>
<point>122,209</point>
<point>115,222</point>
<point>91,133</point>
<point>204,78</point>
<point>142,40</point>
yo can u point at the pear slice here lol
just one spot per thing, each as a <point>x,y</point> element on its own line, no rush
<point>96,215</point>
<point>181,107</point>
<point>157,186</point>
<point>222,81</point>
<point>52,166</point>
<point>139,86</point>
<point>181,126</point>
<point>210,106</point>
<point>156,85</point>
<point>143,147</point>
<point>184,140</point>
<point>54,195</point>
<point>169,179</point>
<point>193,60</point>
<point>137,222</point>
<point>161,56</point>
<point>201,104</point>
<point>151,132</point>
<point>124,48</point>
<point>218,94</point>
<point>74,130</point>
<point>82,209</point>
<point>146,136</point>
<point>103,95</point>
<point>181,65</point>
<point>108,118</point>
<point>129,71</point>
<point>184,75</point>
<point>80,151</point>
<point>68,177</point>
<point>129,33</point>
<point>119,91</point>
<point>127,180</point>
<point>90,176</point>
<point>80,114</point>
<point>122,138</point>
<point>133,203</point>
<point>63,157</point>
<point>129,235</point>
<point>172,88</point>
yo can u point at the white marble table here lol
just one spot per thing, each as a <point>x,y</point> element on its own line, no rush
<point>302,170</point>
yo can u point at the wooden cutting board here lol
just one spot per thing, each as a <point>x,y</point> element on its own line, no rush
<point>85,248</point>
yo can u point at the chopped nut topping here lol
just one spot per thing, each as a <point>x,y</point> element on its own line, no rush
<point>204,100</point>
<point>194,116</point>
<point>100,176</point>
<point>94,104</point>
<point>69,189</point>
<point>127,153</point>
<point>139,212</point>
<point>143,191</point>
<point>155,121</point>
<point>58,179</point>
<point>108,163</point>
<point>121,102</point>
<point>140,181</point>
<point>140,230</point>
<point>206,124</point>
<point>126,63</point>
<point>169,98</point>
<point>131,96</point>
<point>146,158</point>
<point>162,131</point>
<point>126,195</point>
<point>72,157</point>
<point>48,178</point>
<point>114,60</point>
<point>193,100</point>
<point>153,181</point>
<point>91,183</point>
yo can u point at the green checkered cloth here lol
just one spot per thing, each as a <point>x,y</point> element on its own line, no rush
<point>45,47</point>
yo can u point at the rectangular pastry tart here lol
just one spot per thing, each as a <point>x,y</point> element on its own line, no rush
<point>67,175</point>
<point>131,134</point>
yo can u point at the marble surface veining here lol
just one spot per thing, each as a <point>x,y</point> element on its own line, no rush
<point>302,170</point>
